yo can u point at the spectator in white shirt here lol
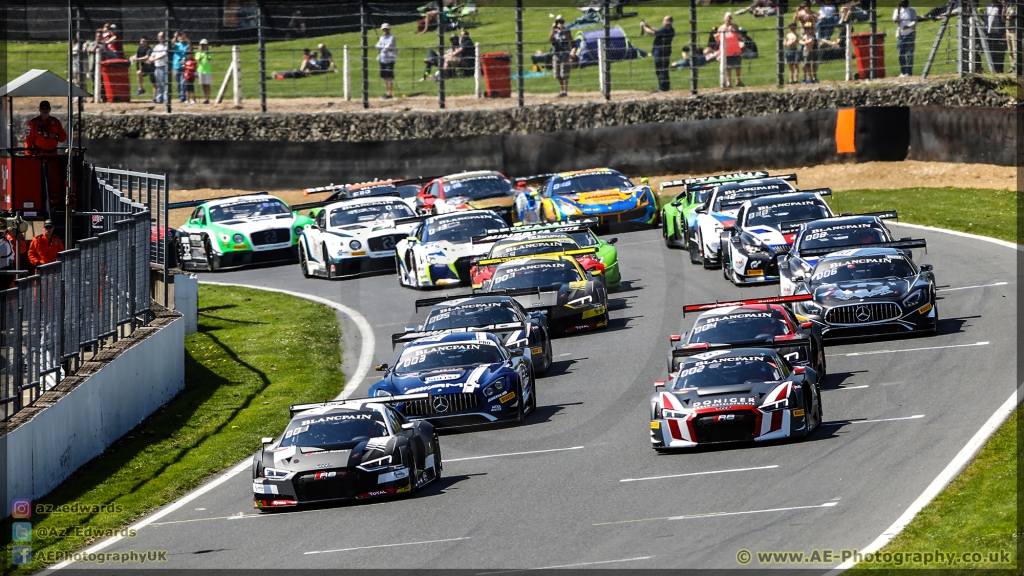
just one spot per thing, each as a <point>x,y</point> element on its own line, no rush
<point>158,58</point>
<point>388,55</point>
<point>905,18</point>
<point>995,32</point>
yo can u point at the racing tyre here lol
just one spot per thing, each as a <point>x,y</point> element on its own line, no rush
<point>532,406</point>
<point>327,262</point>
<point>208,249</point>
<point>409,457</point>
<point>438,466</point>
<point>303,261</point>
<point>821,413</point>
<point>692,247</point>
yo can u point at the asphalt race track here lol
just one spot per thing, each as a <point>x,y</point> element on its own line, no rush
<point>578,483</point>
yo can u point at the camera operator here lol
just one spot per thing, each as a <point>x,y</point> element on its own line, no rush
<point>561,54</point>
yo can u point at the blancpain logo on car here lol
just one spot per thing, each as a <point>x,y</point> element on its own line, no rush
<point>441,377</point>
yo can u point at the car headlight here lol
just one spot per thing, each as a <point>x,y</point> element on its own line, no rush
<point>569,209</point>
<point>914,299</point>
<point>376,464</point>
<point>496,387</point>
<point>275,473</point>
<point>813,307</point>
<point>751,244</point>
<point>382,392</point>
<point>298,230</point>
<point>585,300</point>
<point>238,238</point>
<point>778,405</point>
<point>718,228</point>
<point>355,244</point>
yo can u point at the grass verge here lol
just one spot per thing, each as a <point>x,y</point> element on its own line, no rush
<point>255,354</point>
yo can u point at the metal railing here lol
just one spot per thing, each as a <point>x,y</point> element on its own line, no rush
<point>92,296</point>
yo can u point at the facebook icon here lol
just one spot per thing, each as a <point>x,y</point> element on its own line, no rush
<point>21,554</point>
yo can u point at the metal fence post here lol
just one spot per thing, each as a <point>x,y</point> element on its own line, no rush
<point>873,14</point>
<point>960,39</point>
<point>167,61</point>
<point>606,66</point>
<point>693,46</point>
<point>476,72</point>
<point>439,6</point>
<point>345,73</point>
<point>519,50</point>
<point>167,246</point>
<point>263,57</point>
<point>600,65</point>
<point>236,75</point>
<point>780,52</point>
<point>365,48</point>
<point>849,50</point>
<point>722,73</point>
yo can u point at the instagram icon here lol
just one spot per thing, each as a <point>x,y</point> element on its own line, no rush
<point>21,508</point>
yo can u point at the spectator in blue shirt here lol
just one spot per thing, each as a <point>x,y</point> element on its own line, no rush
<point>662,50</point>
<point>180,47</point>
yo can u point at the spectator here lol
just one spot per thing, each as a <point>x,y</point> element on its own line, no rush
<point>179,46</point>
<point>794,54</point>
<point>452,58</point>
<point>388,53</point>
<point>44,133</point>
<point>561,54</point>
<point>19,256</point>
<point>467,52</point>
<point>308,61</point>
<point>79,62</point>
<point>158,59</point>
<point>205,69</point>
<point>115,49</point>
<point>761,8</point>
<point>191,74</point>
<point>326,59</point>
<point>44,248</point>
<point>809,45</point>
<point>749,46</point>
<point>733,50</point>
<point>662,50</point>
<point>851,13</point>
<point>905,18</point>
<point>804,15</point>
<point>995,32</point>
<point>143,65</point>
<point>827,19</point>
<point>297,26</point>
<point>432,17</point>
<point>1011,35</point>
<point>6,263</point>
<point>688,61</point>
<point>94,48</point>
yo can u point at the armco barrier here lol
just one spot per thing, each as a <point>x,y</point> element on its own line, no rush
<point>783,140</point>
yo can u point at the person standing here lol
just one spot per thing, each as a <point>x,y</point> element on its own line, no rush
<point>995,32</point>
<point>561,54</point>
<point>44,133</point>
<point>793,53</point>
<point>191,75</point>
<point>905,18</point>
<point>45,247</point>
<point>145,67</point>
<point>733,49</point>
<point>79,61</point>
<point>388,53</point>
<point>179,45</point>
<point>158,59</point>
<point>19,255</point>
<point>1011,35</point>
<point>662,50</point>
<point>205,69</point>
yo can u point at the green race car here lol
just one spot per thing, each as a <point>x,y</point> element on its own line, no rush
<point>237,231</point>
<point>679,215</point>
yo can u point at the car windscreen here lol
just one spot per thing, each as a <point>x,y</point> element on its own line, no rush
<point>774,215</point>
<point>585,239</point>
<point>370,212</point>
<point>340,430</point>
<point>858,268</point>
<point>247,210</point>
<point>746,193</point>
<point>726,371</point>
<point>450,355</point>
<point>579,183</point>
<point>462,228</point>
<point>407,190</point>
<point>841,235</point>
<point>370,190</point>
<point>478,187</point>
<point>470,314</point>
<point>533,247</point>
<point>739,326</point>
<point>534,274</point>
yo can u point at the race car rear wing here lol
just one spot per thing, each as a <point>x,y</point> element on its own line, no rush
<point>691,308</point>
<point>425,302</point>
<point>390,399</point>
<point>741,201</point>
<point>194,203</point>
<point>898,244</point>
<point>311,205</point>
<point>413,219</point>
<point>577,252</point>
<point>710,181</point>
<point>775,344</point>
<point>535,179</point>
<point>562,227</point>
<point>793,225</point>
<point>505,327</point>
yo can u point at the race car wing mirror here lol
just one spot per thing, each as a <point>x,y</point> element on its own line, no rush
<point>266,440</point>
<point>408,426</point>
<point>806,325</point>
<point>517,352</point>
<point>676,203</point>
<point>612,240</point>
<point>645,180</point>
<point>381,367</point>
<point>926,267</point>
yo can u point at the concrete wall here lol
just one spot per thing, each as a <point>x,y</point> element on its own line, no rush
<point>44,451</point>
<point>971,135</point>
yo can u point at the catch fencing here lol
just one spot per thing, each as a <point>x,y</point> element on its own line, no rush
<point>840,43</point>
<point>93,295</point>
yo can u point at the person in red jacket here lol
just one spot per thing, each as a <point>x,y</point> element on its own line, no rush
<point>44,133</point>
<point>44,248</point>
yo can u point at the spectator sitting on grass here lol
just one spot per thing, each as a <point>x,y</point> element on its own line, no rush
<point>309,61</point>
<point>826,20</point>
<point>326,59</point>
<point>453,57</point>
<point>442,63</point>
<point>851,12</point>
<point>687,61</point>
<point>467,51</point>
<point>749,46</point>
<point>761,8</point>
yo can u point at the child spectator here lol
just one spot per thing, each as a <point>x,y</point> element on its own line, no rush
<point>204,69</point>
<point>793,53</point>
<point>190,74</point>
<point>809,44</point>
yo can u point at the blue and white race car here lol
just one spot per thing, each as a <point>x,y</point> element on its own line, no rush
<point>440,250</point>
<point>472,378</point>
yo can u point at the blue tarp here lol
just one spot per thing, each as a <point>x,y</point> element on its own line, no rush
<point>619,47</point>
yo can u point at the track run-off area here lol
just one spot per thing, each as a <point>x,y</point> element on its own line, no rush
<point>578,485</point>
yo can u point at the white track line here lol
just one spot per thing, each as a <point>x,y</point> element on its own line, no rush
<point>699,473</point>
<point>447,461</point>
<point>578,564</point>
<point>845,422</point>
<point>362,369</point>
<point>387,545</point>
<point>846,388</point>
<point>951,471</point>
<point>714,514</point>
<point>912,349</point>
<point>1002,243</point>
<point>969,287</point>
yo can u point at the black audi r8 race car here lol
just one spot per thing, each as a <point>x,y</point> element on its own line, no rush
<point>472,377</point>
<point>753,323</point>
<point>870,291</point>
<point>825,235</point>
<point>751,246</point>
<point>502,316</point>
<point>727,394</point>
<point>343,450</point>
<point>572,299</point>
